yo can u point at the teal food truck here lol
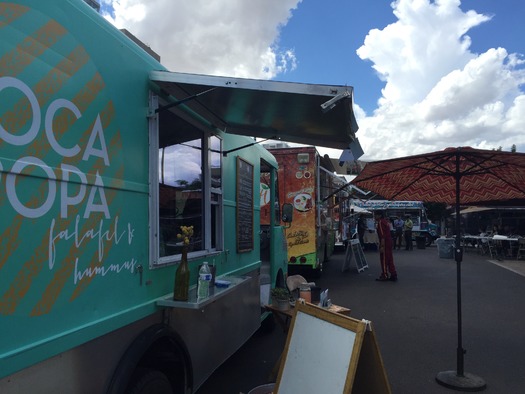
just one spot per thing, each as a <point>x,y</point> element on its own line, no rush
<point>104,155</point>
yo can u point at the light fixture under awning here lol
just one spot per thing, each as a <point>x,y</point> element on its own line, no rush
<point>292,112</point>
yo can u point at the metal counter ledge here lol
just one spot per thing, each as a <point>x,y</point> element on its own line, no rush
<point>215,293</point>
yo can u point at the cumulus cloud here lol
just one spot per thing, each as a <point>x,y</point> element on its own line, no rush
<point>222,37</point>
<point>437,92</point>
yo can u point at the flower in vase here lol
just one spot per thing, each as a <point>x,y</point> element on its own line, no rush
<point>182,274</point>
<point>185,234</point>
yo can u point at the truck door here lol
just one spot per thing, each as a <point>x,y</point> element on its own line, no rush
<point>272,247</point>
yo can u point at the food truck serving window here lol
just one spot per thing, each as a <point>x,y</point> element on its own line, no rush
<point>189,188</point>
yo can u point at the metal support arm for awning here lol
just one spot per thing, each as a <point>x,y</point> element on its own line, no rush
<point>184,100</point>
<point>327,106</point>
<point>225,152</point>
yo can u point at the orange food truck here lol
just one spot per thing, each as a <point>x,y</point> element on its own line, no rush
<point>105,157</point>
<point>308,182</point>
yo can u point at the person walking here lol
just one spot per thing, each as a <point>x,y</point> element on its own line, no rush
<point>408,233</point>
<point>385,249</point>
<point>361,228</point>
<point>398,228</point>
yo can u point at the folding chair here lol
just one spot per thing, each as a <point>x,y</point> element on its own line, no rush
<point>494,248</point>
<point>521,249</point>
<point>483,245</point>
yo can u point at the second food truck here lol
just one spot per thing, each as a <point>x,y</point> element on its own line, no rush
<point>308,182</point>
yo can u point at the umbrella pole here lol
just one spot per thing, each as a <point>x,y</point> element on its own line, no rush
<point>459,379</point>
<point>459,258</point>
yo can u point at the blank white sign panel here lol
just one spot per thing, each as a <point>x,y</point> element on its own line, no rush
<point>318,357</point>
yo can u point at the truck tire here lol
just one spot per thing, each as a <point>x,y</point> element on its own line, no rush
<point>158,348</point>
<point>149,381</point>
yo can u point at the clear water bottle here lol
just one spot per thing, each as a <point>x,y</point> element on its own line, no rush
<point>203,288</point>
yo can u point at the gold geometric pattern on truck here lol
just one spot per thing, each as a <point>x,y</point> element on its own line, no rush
<point>85,117</point>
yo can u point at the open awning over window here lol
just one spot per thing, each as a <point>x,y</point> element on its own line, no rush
<point>319,115</point>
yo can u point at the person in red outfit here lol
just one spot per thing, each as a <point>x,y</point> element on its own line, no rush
<point>385,249</point>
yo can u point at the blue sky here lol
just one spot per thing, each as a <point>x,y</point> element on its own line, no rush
<point>326,35</point>
<point>427,74</point>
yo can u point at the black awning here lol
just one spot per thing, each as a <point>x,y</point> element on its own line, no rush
<point>319,115</point>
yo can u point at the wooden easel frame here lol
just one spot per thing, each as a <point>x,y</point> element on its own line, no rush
<point>342,356</point>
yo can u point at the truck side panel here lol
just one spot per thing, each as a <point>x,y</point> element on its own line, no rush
<point>74,179</point>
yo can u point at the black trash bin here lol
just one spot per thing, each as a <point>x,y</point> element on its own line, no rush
<point>420,242</point>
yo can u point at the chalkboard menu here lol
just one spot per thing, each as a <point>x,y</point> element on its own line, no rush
<point>244,205</point>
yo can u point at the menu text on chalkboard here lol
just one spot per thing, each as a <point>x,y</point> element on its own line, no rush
<point>244,205</point>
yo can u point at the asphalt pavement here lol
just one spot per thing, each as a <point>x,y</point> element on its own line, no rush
<point>416,323</point>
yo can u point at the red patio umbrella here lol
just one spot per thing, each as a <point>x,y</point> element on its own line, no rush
<point>454,176</point>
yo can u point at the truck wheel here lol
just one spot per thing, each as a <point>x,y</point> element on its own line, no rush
<point>149,381</point>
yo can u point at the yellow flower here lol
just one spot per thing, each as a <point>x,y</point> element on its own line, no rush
<point>186,234</point>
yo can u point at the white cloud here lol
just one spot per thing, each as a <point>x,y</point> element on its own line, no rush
<point>484,79</point>
<point>212,37</point>
<point>438,93</point>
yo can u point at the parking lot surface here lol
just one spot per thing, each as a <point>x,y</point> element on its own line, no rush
<point>415,321</point>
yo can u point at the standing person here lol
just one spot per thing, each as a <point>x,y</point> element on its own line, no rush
<point>385,249</point>
<point>408,233</point>
<point>398,228</point>
<point>361,228</point>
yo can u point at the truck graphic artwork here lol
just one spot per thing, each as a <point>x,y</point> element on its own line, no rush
<point>302,202</point>
<point>61,151</point>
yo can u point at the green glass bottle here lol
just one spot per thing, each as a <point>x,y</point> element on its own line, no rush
<point>182,278</point>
